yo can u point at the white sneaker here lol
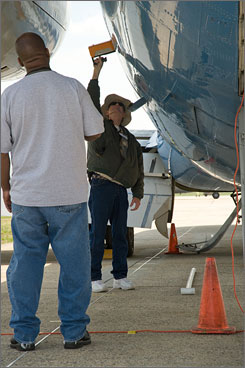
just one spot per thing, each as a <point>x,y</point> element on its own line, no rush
<point>124,284</point>
<point>99,286</point>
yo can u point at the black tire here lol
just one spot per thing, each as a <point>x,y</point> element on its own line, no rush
<point>108,238</point>
<point>130,238</point>
<point>171,211</point>
<point>215,195</point>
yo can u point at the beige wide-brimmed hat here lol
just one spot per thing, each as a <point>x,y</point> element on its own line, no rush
<point>115,98</point>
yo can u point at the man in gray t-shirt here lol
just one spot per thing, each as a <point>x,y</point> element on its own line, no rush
<point>45,118</point>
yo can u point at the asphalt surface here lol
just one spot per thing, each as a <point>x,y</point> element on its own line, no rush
<point>119,319</point>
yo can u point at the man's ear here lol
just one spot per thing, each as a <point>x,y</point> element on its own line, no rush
<point>20,62</point>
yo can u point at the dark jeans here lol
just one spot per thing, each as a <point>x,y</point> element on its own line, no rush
<point>108,201</point>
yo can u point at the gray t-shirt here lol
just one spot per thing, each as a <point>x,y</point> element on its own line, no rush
<point>44,119</point>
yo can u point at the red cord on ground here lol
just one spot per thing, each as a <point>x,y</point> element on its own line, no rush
<point>120,332</point>
<point>237,217</point>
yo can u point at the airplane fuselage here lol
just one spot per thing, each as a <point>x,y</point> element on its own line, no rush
<point>183,58</point>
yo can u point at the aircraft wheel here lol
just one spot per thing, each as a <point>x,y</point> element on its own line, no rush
<point>130,238</point>
<point>108,238</point>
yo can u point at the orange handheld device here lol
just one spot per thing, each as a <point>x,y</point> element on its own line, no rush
<point>103,48</point>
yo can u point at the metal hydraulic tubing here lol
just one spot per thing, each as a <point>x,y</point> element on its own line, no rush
<point>216,238</point>
<point>136,105</point>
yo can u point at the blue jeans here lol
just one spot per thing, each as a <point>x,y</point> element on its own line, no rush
<point>33,228</point>
<point>108,201</point>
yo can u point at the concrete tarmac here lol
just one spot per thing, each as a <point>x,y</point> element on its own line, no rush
<point>156,304</point>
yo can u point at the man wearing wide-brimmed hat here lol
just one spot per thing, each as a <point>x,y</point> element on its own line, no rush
<point>115,162</point>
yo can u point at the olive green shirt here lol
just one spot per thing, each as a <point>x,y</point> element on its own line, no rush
<point>104,155</point>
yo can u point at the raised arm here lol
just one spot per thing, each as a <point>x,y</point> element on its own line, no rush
<point>93,86</point>
<point>98,63</point>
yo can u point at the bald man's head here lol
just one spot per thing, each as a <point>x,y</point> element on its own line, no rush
<point>32,52</point>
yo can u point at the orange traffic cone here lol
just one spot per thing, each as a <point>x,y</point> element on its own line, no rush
<point>212,317</point>
<point>173,242</point>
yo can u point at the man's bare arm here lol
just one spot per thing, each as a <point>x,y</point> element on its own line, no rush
<point>5,180</point>
<point>92,137</point>
<point>5,171</point>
